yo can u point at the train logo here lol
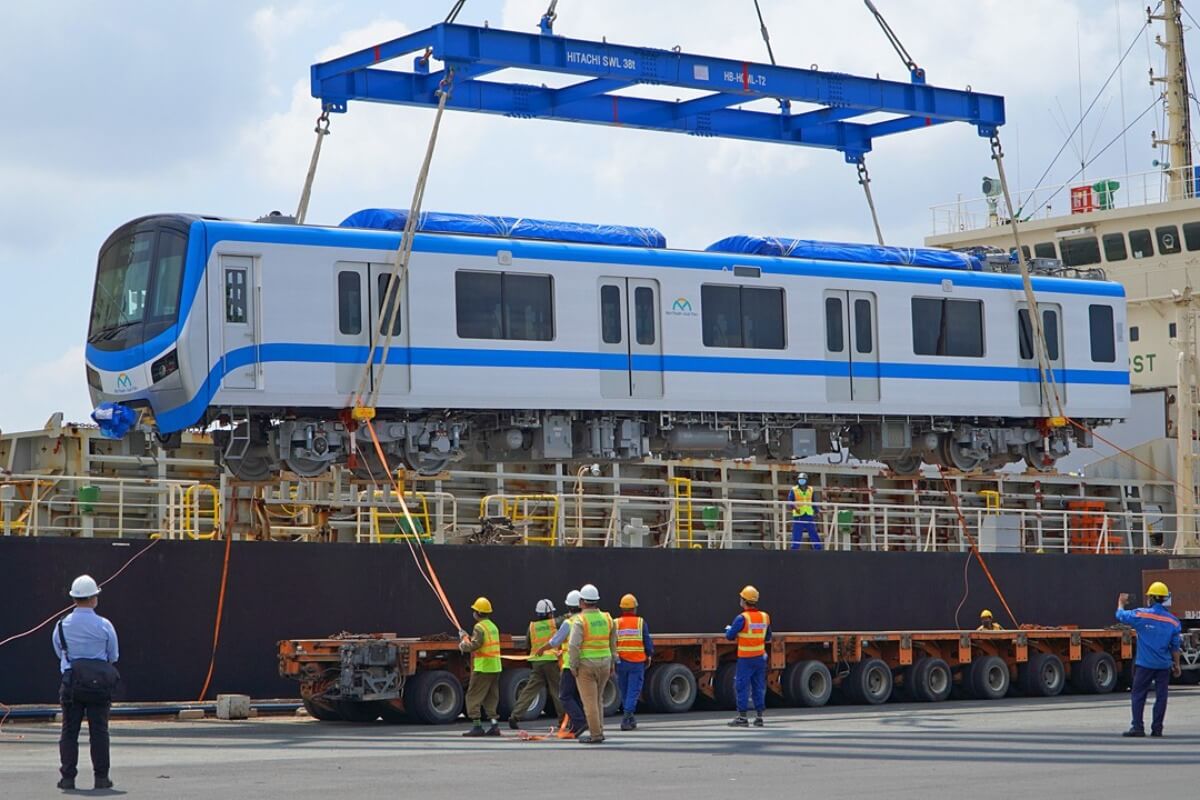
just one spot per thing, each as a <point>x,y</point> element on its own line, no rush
<point>682,307</point>
<point>124,383</point>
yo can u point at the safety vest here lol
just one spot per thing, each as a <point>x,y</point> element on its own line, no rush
<point>564,652</point>
<point>802,501</point>
<point>752,638</point>
<point>597,629</point>
<point>631,645</point>
<point>487,657</point>
<point>541,632</point>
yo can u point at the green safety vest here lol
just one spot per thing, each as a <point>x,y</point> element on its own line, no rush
<point>564,652</point>
<point>541,632</point>
<point>802,501</point>
<point>487,657</point>
<point>597,628</point>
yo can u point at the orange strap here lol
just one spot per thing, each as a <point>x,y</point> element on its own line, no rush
<point>212,659</point>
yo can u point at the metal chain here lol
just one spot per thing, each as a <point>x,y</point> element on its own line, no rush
<point>864,180</point>
<point>322,130</point>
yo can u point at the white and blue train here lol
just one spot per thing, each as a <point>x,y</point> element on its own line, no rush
<point>541,341</point>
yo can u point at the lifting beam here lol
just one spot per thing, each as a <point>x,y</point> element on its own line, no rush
<point>828,119</point>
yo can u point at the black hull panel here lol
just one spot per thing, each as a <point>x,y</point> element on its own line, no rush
<point>164,604</point>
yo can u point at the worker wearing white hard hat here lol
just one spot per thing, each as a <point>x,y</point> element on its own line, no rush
<point>544,672</point>
<point>800,498</point>
<point>571,723</point>
<point>591,646</point>
<point>86,646</point>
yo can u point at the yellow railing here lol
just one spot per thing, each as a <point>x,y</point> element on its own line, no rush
<point>400,528</point>
<point>681,494</point>
<point>526,510</point>
<point>194,512</point>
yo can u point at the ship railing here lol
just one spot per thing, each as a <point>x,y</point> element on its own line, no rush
<point>1136,189</point>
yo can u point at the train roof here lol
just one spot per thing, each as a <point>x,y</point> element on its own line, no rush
<point>392,219</point>
<point>846,251</point>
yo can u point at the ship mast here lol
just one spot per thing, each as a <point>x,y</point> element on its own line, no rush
<point>1180,178</point>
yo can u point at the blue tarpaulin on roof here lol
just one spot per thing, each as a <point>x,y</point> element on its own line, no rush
<point>842,251</point>
<point>392,219</point>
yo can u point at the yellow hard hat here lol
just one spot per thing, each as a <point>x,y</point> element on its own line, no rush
<point>1158,589</point>
<point>628,601</point>
<point>482,605</point>
<point>985,613</point>
<point>749,594</point>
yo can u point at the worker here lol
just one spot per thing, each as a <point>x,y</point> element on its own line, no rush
<point>751,629</point>
<point>543,665</point>
<point>591,645</point>
<point>634,651</point>
<point>1158,655</point>
<point>800,497</point>
<point>86,646</point>
<point>483,692</point>
<point>572,723</point>
<point>987,622</point>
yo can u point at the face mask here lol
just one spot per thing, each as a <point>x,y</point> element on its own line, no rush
<point>1167,602</point>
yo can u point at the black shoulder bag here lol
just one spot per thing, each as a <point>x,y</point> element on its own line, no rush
<point>89,680</point>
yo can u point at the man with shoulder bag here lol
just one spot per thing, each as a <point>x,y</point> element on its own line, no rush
<point>86,646</point>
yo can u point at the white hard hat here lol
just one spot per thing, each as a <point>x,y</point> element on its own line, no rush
<point>589,593</point>
<point>801,476</point>
<point>84,587</point>
<point>573,598</point>
<point>545,607</point>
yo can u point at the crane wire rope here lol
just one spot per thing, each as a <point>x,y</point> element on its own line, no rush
<point>322,130</point>
<point>897,45</point>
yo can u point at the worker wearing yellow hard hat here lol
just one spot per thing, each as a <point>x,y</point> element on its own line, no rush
<point>751,629</point>
<point>634,651</point>
<point>483,691</point>
<point>1159,647</point>
<point>987,622</point>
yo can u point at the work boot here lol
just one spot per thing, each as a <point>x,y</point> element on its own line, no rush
<point>103,783</point>
<point>587,738</point>
<point>66,784</point>
<point>513,722</point>
<point>758,720</point>
<point>493,730</point>
<point>476,730</point>
<point>1136,732</point>
<point>1156,734</point>
<point>627,723</point>
<point>739,722</point>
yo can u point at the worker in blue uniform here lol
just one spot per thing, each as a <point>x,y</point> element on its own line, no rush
<point>751,629</point>
<point>1158,655</point>
<point>800,498</point>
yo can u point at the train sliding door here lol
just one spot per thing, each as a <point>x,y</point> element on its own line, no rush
<point>1031,383</point>
<point>630,336</point>
<point>239,329</point>
<point>851,346</point>
<point>395,377</point>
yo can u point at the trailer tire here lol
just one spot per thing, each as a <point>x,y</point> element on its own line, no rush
<point>512,681</point>
<point>1043,675</point>
<point>930,680</point>
<point>321,709</point>
<point>672,687</point>
<point>1096,673</point>
<point>723,692</point>
<point>357,710</point>
<point>989,678</point>
<point>807,684</point>
<point>869,682</point>
<point>434,697</point>
<point>610,698</point>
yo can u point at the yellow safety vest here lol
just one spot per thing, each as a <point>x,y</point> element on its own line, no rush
<point>541,632</point>
<point>597,630</point>
<point>802,501</point>
<point>487,657</point>
<point>564,660</point>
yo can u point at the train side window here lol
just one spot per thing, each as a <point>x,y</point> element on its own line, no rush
<point>1050,331</point>
<point>1045,250</point>
<point>1172,331</point>
<point>833,325</point>
<point>1114,247</point>
<point>944,327</point>
<point>1025,252</point>
<point>610,314</point>
<point>643,310</point>
<point>168,276</point>
<point>382,285</point>
<point>1080,251</point>
<point>1168,239</point>
<point>863,335</point>
<point>504,305</point>
<point>741,316</point>
<point>1134,333</point>
<point>1104,343</point>
<point>1191,235</point>
<point>349,303</point>
<point>1140,244</point>
<point>477,301</point>
<point>235,295</point>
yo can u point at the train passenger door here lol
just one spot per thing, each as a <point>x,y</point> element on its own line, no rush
<point>395,377</point>
<point>351,332</point>
<point>630,338</point>
<point>239,329</point>
<point>851,346</point>
<point>1031,384</point>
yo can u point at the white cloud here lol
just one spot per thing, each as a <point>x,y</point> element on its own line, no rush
<point>272,25</point>
<point>42,387</point>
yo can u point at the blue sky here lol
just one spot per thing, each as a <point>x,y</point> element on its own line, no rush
<point>125,108</point>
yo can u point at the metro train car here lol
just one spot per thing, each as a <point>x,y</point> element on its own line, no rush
<point>528,340</point>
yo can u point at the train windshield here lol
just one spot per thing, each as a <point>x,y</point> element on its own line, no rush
<point>137,287</point>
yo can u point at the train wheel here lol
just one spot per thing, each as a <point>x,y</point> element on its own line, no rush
<point>357,711</point>
<point>1043,675</point>
<point>723,691</point>
<point>930,680</point>
<point>988,678</point>
<point>250,467</point>
<point>807,683</point>
<point>306,467</point>
<point>1096,673</point>
<point>1038,459</point>
<point>674,689</point>
<point>392,711</point>
<point>869,681</point>
<point>434,697</point>
<point>904,465</point>
<point>952,455</point>
<point>321,709</point>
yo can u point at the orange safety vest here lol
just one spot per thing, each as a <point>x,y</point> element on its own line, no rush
<point>631,645</point>
<point>752,638</point>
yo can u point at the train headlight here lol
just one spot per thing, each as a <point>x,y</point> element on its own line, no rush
<point>164,366</point>
<point>93,379</point>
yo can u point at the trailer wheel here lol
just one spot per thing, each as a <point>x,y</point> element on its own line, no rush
<point>1043,675</point>
<point>392,711</point>
<point>1096,673</point>
<point>869,681</point>
<point>723,692</point>
<point>807,683</point>
<point>321,709</point>
<point>512,682</point>
<point>988,678</point>
<point>434,697</point>
<point>610,699</point>
<point>673,688</point>
<point>357,711</point>
<point>930,680</point>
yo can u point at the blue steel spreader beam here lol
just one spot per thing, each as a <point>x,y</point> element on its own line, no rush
<point>474,52</point>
